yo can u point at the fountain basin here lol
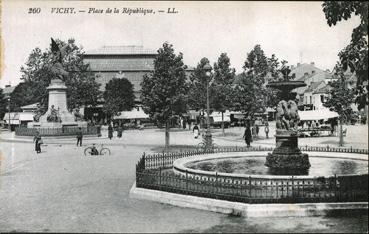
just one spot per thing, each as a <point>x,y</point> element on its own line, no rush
<point>251,164</point>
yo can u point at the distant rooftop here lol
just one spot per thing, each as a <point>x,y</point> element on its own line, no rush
<point>122,50</point>
<point>7,90</point>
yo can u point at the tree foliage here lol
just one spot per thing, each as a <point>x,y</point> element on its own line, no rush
<point>340,97</point>
<point>3,104</point>
<point>163,92</point>
<point>197,86</point>
<point>250,91</point>
<point>26,93</point>
<point>355,55</point>
<point>223,80</point>
<point>82,89</point>
<point>118,96</point>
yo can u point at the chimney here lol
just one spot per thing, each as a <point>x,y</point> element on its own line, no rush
<point>298,64</point>
<point>327,70</point>
<point>312,63</point>
<point>313,72</point>
<point>306,74</point>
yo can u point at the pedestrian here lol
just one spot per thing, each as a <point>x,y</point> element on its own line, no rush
<point>189,123</point>
<point>119,131</point>
<point>110,131</point>
<point>266,130</point>
<point>38,141</point>
<point>257,130</point>
<point>196,131</point>
<point>79,136</point>
<point>247,135</point>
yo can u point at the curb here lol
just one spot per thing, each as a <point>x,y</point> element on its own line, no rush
<point>244,209</point>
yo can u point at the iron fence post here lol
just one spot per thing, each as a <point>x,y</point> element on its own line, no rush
<point>250,187</point>
<point>186,182</point>
<point>159,178</point>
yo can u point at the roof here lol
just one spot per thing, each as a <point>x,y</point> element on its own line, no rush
<point>122,50</point>
<point>300,90</point>
<point>8,90</point>
<point>317,114</point>
<point>120,64</point>
<point>133,114</point>
<point>301,69</point>
<point>313,86</point>
<point>31,106</point>
<point>20,116</point>
<point>324,89</point>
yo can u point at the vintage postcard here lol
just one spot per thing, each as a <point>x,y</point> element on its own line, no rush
<point>184,116</point>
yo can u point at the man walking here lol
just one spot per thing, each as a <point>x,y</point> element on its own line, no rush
<point>266,129</point>
<point>247,135</point>
<point>79,136</point>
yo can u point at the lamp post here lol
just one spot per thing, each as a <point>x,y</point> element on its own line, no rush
<point>208,138</point>
<point>9,113</point>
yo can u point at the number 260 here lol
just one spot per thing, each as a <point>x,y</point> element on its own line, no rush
<point>34,10</point>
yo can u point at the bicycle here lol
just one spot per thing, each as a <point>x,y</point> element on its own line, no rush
<point>202,145</point>
<point>92,150</point>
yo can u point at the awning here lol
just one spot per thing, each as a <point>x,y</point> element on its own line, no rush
<point>219,118</point>
<point>133,114</point>
<point>317,114</point>
<point>13,116</point>
<point>12,121</point>
<point>270,109</point>
<point>26,116</point>
<point>216,114</point>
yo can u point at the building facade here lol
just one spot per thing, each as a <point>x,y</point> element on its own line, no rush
<point>130,62</point>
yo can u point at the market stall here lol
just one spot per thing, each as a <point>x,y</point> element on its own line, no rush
<point>320,122</point>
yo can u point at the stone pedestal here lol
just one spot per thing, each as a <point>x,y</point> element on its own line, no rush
<point>287,158</point>
<point>58,99</point>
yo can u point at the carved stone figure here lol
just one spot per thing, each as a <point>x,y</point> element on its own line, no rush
<point>56,67</point>
<point>77,115</point>
<point>287,115</point>
<point>38,113</point>
<point>53,116</point>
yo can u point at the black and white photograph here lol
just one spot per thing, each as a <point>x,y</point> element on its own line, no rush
<point>183,116</point>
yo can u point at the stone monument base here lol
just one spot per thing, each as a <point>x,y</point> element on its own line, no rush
<point>82,124</point>
<point>287,158</point>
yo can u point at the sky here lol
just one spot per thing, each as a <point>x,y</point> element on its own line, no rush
<point>294,31</point>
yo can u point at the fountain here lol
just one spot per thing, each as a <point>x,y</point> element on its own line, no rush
<point>287,158</point>
<point>270,177</point>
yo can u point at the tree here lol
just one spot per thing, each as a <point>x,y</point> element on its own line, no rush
<point>249,90</point>
<point>163,92</point>
<point>355,55</point>
<point>118,96</point>
<point>3,104</point>
<point>223,79</point>
<point>28,92</point>
<point>82,89</point>
<point>197,86</point>
<point>340,97</point>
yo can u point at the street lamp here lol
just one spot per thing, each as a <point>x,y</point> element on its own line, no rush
<point>9,113</point>
<point>208,138</point>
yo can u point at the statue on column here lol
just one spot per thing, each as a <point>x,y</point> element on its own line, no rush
<point>56,67</point>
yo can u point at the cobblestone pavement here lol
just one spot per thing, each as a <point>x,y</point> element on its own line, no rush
<point>61,190</point>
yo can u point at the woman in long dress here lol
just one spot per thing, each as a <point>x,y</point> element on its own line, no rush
<point>37,140</point>
<point>196,131</point>
<point>110,131</point>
